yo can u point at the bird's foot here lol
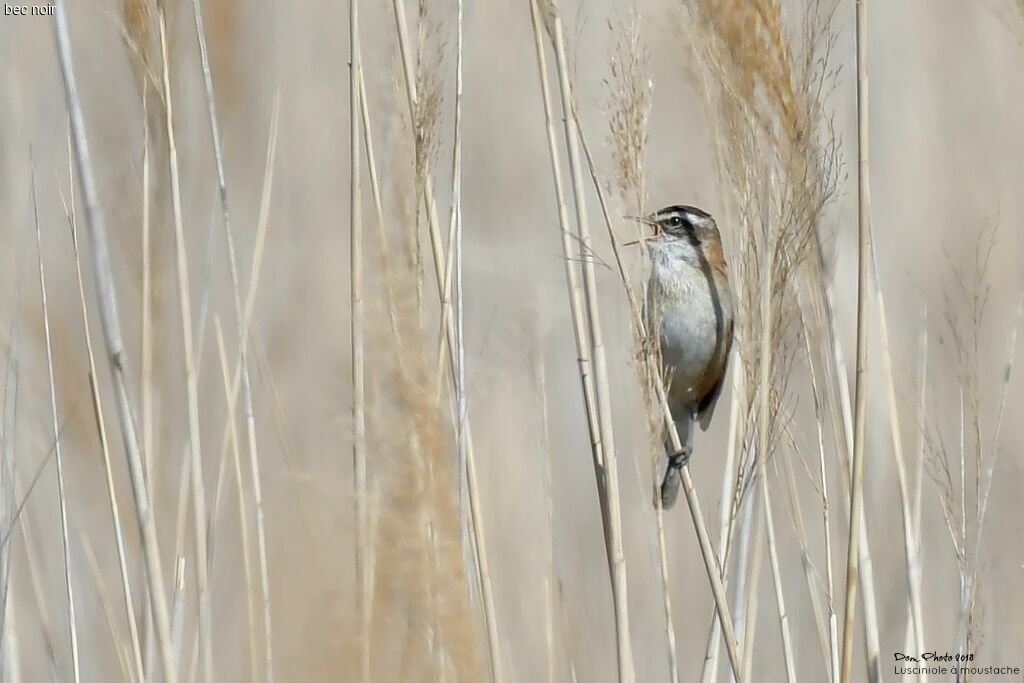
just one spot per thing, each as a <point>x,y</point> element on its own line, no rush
<point>669,489</point>
<point>680,458</point>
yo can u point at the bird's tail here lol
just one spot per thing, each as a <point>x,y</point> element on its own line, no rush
<point>669,490</point>
<point>670,481</point>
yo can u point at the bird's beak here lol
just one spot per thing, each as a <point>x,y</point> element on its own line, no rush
<point>646,220</point>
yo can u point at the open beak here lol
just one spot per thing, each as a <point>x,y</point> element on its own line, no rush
<point>646,220</point>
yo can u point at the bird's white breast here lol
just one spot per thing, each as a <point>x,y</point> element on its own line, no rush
<point>680,303</point>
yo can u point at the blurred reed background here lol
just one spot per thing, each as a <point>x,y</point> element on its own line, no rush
<point>384,410</point>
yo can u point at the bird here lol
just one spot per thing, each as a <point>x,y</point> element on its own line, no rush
<point>688,313</point>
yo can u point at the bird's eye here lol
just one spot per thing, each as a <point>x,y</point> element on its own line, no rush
<point>675,221</point>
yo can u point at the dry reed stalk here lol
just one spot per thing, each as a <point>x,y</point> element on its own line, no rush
<point>763,439</point>
<point>666,599</point>
<point>581,332</point>
<point>453,279</point>
<point>145,370</point>
<point>375,193</point>
<point>358,333</point>
<point>425,186</point>
<point>544,448</point>
<point>968,550</point>
<point>101,431</point>
<point>863,276</point>
<point>243,517</point>
<point>606,470</point>
<point>177,607</point>
<point>9,646</point>
<point>571,274</point>
<point>751,575</point>
<point>986,488</point>
<point>138,21</point>
<point>11,655</point>
<point>831,374</point>
<point>103,597</point>
<point>198,490</point>
<point>833,621</point>
<point>920,427</point>
<point>246,312</point>
<point>38,593</point>
<point>420,562</point>
<point>797,518</point>
<point>910,542</point>
<point>61,492</point>
<point>726,519</point>
<point>773,554</point>
<point>843,433</point>
<point>456,248</point>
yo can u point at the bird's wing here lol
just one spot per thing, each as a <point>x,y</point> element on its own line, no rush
<point>707,404</point>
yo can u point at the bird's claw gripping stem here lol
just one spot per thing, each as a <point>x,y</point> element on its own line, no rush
<point>680,458</point>
<point>669,490</point>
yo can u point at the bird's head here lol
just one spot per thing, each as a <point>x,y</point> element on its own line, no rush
<point>680,222</point>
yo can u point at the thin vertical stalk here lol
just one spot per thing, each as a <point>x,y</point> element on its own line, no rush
<point>103,597</point>
<point>107,299</point>
<point>571,274</point>
<point>242,333</point>
<point>811,577</point>
<point>915,496</point>
<point>910,542</point>
<point>238,375</point>
<point>666,598</point>
<point>146,379</point>
<point>763,439</point>
<point>540,374</point>
<point>479,537</point>
<point>969,574</point>
<point>726,517</point>
<point>191,380</point>
<point>9,647</point>
<point>460,340</point>
<point>358,334</point>
<point>787,642</point>
<point>101,429</point>
<point>146,369</point>
<point>608,470</point>
<point>177,605</point>
<point>243,519</point>
<point>740,539</point>
<point>576,299</point>
<point>863,276</point>
<point>61,493</point>
<point>371,164</point>
<point>751,593</point>
<point>389,298</point>
<point>844,446</point>
<point>833,622</point>
<point>34,573</point>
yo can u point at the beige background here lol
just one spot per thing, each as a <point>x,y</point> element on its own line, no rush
<point>946,97</point>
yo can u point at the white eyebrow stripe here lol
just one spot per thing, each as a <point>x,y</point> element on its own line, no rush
<point>697,219</point>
